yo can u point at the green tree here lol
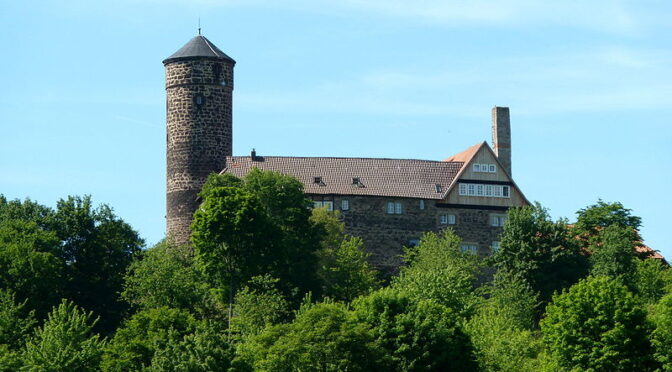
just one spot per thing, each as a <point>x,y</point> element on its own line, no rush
<point>613,253</point>
<point>501,329</point>
<point>541,252</point>
<point>165,275</point>
<point>598,325</point>
<point>416,335</point>
<point>652,280</point>
<point>28,266</point>
<point>258,305</point>
<point>297,239</point>
<point>65,342</point>
<point>290,239</point>
<point>231,236</point>
<point>15,322</point>
<point>344,269</point>
<point>133,346</point>
<point>27,210</point>
<point>662,335</point>
<point>438,270</point>
<point>592,219</point>
<point>205,350</point>
<point>324,337</point>
<point>97,247</point>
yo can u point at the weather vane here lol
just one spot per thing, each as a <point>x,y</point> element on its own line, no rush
<point>199,25</point>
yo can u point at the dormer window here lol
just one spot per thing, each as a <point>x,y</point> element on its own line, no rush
<point>356,181</point>
<point>438,188</point>
<point>317,180</point>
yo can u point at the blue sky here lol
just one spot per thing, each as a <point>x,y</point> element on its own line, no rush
<point>589,84</point>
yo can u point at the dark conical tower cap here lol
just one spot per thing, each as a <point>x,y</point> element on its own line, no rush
<point>198,48</point>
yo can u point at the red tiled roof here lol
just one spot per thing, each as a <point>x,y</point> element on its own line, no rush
<point>406,178</point>
<point>652,254</point>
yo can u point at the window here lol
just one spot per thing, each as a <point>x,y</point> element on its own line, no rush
<point>422,204</point>
<point>393,207</point>
<point>463,189</point>
<point>324,204</point>
<point>317,179</point>
<point>470,248</point>
<point>497,220</point>
<point>489,191</point>
<point>413,243</point>
<point>438,188</point>
<point>447,219</point>
<point>345,205</point>
<point>494,247</point>
<point>485,168</point>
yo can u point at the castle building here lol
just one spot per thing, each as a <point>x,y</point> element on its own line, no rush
<point>389,203</point>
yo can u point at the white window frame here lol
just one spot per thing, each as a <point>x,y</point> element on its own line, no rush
<point>447,219</point>
<point>394,208</point>
<point>485,190</point>
<point>476,167</point>
<point>463,189</point>
<point>345,204</point>
<point>324,203</point>
<point>497,220</point>
<point>469,247</point>
<point>492,168</point>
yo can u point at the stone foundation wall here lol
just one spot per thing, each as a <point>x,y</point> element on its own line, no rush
<point>198,134</point>
<point>385,234</point>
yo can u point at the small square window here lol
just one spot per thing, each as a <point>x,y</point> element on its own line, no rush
<point>477,167</point>
<point>447,219</point>
<point>345,205</point>
<point>328,204</point>
<point>390,207</point>
<point>317,179</point>
<point>397,208</point>
<point>493,168</point>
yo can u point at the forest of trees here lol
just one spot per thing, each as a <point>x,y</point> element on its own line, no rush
<point>269,284</point>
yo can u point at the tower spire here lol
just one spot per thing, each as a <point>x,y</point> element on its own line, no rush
<point>199,25</point>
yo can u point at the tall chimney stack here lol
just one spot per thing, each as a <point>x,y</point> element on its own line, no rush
<point>501,136</point>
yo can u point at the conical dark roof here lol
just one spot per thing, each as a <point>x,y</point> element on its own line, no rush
<point>198,47</point>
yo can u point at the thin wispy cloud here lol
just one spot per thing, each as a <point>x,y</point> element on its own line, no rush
<point>610,78</point>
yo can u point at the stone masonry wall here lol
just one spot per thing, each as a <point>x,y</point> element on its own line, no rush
<point>198,134</point>
<point>385,234</point>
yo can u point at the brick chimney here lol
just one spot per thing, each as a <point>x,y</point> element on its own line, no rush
<point>501,136</point>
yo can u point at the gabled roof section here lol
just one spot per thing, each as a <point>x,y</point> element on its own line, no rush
<point>466,156</point>
<point>406,178</point>
<point>198,47</point>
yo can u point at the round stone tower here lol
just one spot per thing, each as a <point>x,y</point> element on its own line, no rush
<point>199,89</point>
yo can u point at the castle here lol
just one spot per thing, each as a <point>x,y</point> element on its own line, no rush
<point>389,203</point>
